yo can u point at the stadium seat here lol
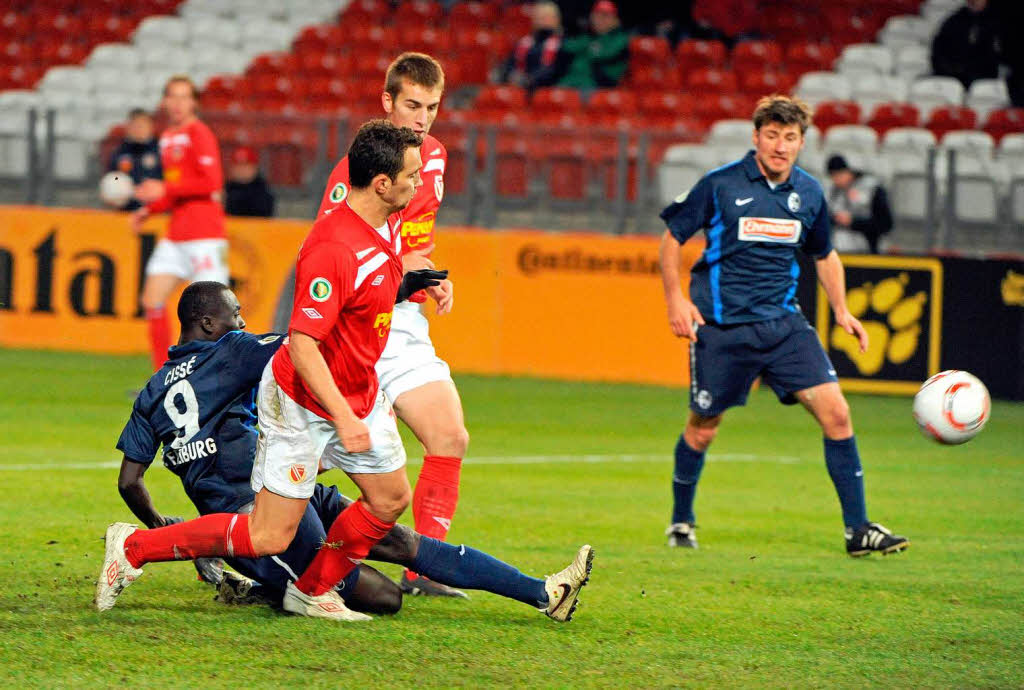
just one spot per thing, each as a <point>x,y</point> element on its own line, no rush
<point>903,30</point>
<point>710,80</point>
<point>986,95</point>
<point>612,103</point>
<point>647,51</point>
<point>558,100</point>
<point>665,105</point>
<point>969,143</point>
<point>888,115</point>
<point>756,55</point>
<point>808,56</point>
<point>766,81</point>
<point>214,32</point>
<point>734,133</point>
<point>694,54</point>
<point>865,57</point>
<point>828,114</point>
<point>913,61</point>
<point>662,78</point>
<point>870,89</point>
<point>70,79</point>
<point>500,100</point>
<point>682,166</point>
<point>120,56</point>
<point>929,93</point>
<point>1011,149</point>
<point>1004,121</point>
<point>714,107</point>
<point>852,141</point>
<point>173,30</point>
<point>471,16</point>
<point>948,118</point>
<point>815,87</point>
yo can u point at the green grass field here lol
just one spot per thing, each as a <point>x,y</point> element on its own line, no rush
<point>770,599</point>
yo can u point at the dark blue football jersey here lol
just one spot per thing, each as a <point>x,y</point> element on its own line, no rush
<point>201,407</point>
<point>748,271</point>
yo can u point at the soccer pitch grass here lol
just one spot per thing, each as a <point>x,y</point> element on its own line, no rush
<point>769,600</point>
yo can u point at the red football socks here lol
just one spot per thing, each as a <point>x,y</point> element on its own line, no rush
<point>435,497</point>
<point>350,538</point>
<point>159,335</point>
<point>219,534</point>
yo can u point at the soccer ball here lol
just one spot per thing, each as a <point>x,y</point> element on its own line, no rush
<point>116,188</point>
<point>952,407</point>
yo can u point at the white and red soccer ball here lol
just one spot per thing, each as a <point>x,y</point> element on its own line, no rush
<point>952,407</point>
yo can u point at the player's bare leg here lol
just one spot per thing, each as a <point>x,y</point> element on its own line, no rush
<point>689,461</point>
<point>433,412</point>
<point>829,407</point>
<point>273,522</point>
<point>155,291</point>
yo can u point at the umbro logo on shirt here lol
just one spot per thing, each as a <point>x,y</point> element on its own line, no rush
<point>378,280</point>
<point>312,313</point>
<point>744,202</point>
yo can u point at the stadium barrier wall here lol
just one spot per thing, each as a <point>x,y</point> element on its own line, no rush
<point>575,306</point>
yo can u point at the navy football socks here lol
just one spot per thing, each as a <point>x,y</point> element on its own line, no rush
<point>843,462</point>
<point>467,568</point>
<point>689,464</point>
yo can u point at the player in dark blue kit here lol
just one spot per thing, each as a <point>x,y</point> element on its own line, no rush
<point>201,407</point>
<point>744,320</point>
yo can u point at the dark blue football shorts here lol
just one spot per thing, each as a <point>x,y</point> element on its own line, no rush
<point>725,360</point>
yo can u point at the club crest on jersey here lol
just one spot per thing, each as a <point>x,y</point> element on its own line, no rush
<point>439,188</point>
<point>793,202</point>
<point>320,289</point>
<point>296,473</point>
<point>338,193</point>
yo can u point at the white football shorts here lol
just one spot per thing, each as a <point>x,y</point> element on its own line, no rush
<point>294,442</point>
<point>409,360</point>
<point>192,261</point>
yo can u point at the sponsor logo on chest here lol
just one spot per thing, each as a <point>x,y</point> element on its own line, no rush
<point>782,231</point>
<point>417,232</point>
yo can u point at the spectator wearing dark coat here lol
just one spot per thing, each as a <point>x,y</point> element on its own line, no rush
<point>967,45</point>
<point>139,153</point>
<point>538,59</point>
<point>247,193</point>
<point>859,208</point>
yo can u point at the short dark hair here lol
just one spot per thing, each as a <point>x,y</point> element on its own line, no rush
<point>784,110</point>
<point>200,299</point>
<point>138,112</point>
<point>418,68</point>
<point>183,79</point>
<point>379,148</point>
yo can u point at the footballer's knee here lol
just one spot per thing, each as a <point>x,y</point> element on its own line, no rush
<point>271,540</point>
<point>699,435</point>
<point>449,440</point>
<point>399,546</point>
<point>389,505</point>
<point>836,421</point>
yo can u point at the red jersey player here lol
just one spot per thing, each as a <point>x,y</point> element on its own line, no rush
<point>196,245</point>
<point>414,378</point>
<point>319,400</point>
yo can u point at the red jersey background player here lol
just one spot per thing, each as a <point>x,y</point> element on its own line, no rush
<point>196,245</point>
<point>414,378</point>
<point>319,400</point>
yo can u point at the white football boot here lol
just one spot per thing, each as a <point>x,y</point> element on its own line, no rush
<point>563,588</point>
<point>117,572</point>
<point>328,605</point>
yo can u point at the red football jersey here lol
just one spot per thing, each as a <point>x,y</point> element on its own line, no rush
<point>418,216</point>
<point>346,279</point>
<point>193,180</point>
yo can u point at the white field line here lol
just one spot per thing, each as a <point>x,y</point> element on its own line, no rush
<point>481,460</point>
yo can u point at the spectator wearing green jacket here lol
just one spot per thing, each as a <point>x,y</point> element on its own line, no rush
<point>600,58</point>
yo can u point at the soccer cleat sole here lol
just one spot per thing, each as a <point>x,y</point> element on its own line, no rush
<point>576,601</point>
<point>895,548</point>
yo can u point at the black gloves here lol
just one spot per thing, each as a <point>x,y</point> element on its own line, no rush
<point>414,281</point>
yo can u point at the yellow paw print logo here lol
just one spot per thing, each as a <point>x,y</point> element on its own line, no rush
<point>891,318</point>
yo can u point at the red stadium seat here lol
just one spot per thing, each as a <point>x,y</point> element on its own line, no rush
<point>272,63</point>
<point>693,54</point>
<point>425,11</point>
<point>500,99</point>
<point>831,113</point>
<point>756,55</point>
<point>807,56</point>
<point>715,107</point>
<point>18,53</point>
<point>103,28</point>
<point>1004,121</point>
<point>15,24</point>
<point>67,24</point>
<point>948,118</point>
<point>612,104</point>
<point>425,39</point>
<point>321,38</point>
<point>556,100</point>
<point>326,64</point>
<point>366,12</point>
<point>664,77</point>
<point>369,36</point>
<point>712,80</point>
<point>666,105</point>
<point>766,81</point>
<point>371,65</point>
<point>471,16</point>
<point>648,51</point>
<point>889,115</point>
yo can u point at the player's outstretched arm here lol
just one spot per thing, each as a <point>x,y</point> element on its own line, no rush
<point>682,313</point>
<point>310,363</point>
<point>135,494</point>
<point>833,280</point>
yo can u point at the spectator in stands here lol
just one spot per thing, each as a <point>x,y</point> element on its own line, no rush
<point>138,155</point>
<point>247,192</point>
<point>967,46</point>
<point>538,59</point>
<point>599,58</point>
<point>859,207</point>
<point>726,20</point>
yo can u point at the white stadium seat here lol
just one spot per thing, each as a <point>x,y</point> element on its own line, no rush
<point>206,33</point>
<point>913,61</point>
<point>847,139</point>
<point>69,79</point>
<point>815,87</point>
<point>730,132</point>
<point>916,140</point>
<point>986,95</point>
<point>681,167</point>
<point>1011,147</point>
<point>933,92</point>
<point>111,80</point>
<point>865,57</point>
<point>266,35</point>
<point>120,55</point>
<point>158,57</point>
<point>905,29</point>
<point>173,30</point>
<point>871,89</point>
<point>969,142</point>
